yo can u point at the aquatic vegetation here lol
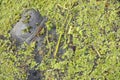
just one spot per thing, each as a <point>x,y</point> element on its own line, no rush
<point>82,40</point>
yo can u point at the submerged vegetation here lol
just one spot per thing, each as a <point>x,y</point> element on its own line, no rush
<point>87,30</point>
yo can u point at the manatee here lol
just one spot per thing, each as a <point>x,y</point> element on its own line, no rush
<point>26,30</point>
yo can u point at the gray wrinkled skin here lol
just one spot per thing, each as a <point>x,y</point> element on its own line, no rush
<point>29,19</point>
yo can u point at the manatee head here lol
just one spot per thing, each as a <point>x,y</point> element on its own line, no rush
<point>27,24</point>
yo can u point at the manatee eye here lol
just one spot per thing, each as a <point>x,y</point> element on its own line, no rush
<point>28,29</point>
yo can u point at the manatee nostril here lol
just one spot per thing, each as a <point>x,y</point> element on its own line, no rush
<point>26,18</point>
<point>28,29</point>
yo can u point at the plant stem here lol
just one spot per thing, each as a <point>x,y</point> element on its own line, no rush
<point>58,43</point>
<point>57,46</point>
